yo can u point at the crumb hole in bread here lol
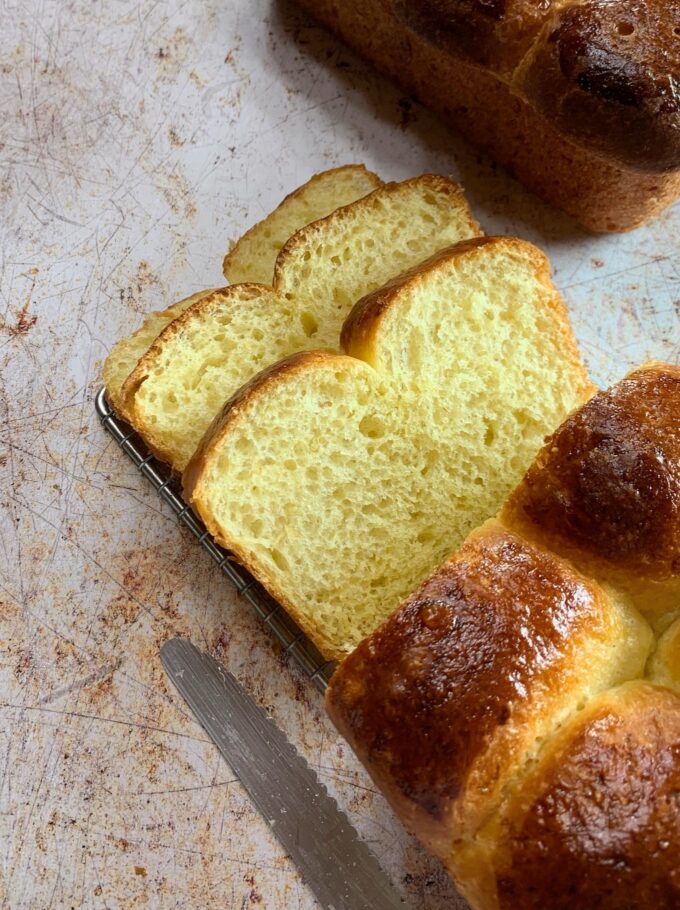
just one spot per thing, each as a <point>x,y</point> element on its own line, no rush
<point>372,426</point>
<point>279,559</point>
<point>625,28</point>
<point>310,324</point>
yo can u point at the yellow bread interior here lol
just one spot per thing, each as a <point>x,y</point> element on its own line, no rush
<point>664,666</point>
<point>342,483</point>
<point>255,254</point>
<point>216,346</point>
<point>125,354</point>
<point>252,258</point>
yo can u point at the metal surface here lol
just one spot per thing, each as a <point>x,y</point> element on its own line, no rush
<point>272,614</point>
<point>340,869</point>
<point>138,138</point>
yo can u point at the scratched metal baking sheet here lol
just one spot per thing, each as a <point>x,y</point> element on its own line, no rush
<point>138,138</point>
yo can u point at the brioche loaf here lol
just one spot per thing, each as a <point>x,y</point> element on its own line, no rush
<point>342,481</point>
<point>577,99</point>
<point>542,762</point>
<point>216,346</point>
<point>254,254</point>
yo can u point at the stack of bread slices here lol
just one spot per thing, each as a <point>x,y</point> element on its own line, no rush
<point>367,390</point>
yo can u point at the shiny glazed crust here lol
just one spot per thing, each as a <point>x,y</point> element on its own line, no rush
<point>607,75</point>
<point>480,660</point>
<point>578,108</point>
<point>597,825</point>
<point>605,489</point>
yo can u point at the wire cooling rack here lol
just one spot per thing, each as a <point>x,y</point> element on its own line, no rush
<point>272,614</point>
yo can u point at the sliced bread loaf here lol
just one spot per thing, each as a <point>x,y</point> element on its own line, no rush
<point>219,343</point>
<point>254,255</point>
<point>342,481</point>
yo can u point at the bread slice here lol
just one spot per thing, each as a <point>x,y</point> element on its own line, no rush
<point>252,258</point>
<point>218,344</point>
<point>341,481</point>
<point>125,354</point>
<point>254,255</point>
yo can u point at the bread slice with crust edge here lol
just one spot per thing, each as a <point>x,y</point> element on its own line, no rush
<point>251,259</point>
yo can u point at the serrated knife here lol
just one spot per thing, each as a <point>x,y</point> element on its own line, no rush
<point>337,866</point>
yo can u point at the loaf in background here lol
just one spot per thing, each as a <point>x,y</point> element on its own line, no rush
<point>577,100</point>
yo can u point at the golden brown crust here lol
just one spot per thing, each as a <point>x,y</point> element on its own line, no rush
<point>605,489</point>
<point>300,191</point>
<point>607,75</point>
<point>475,660</point>
<point>602,193</point>
<point>597,827</point>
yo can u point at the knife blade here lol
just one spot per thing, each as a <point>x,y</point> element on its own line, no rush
<point>337,866</point>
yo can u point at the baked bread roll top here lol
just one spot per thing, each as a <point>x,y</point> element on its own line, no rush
<point>451,697</point>
<point>605,489</point>
<point>597,824</point>
<point>606,74</point>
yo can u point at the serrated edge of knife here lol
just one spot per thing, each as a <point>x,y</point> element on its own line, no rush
<point>285,744</point>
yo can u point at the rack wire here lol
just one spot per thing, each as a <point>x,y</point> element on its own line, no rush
<point>271,613</point>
